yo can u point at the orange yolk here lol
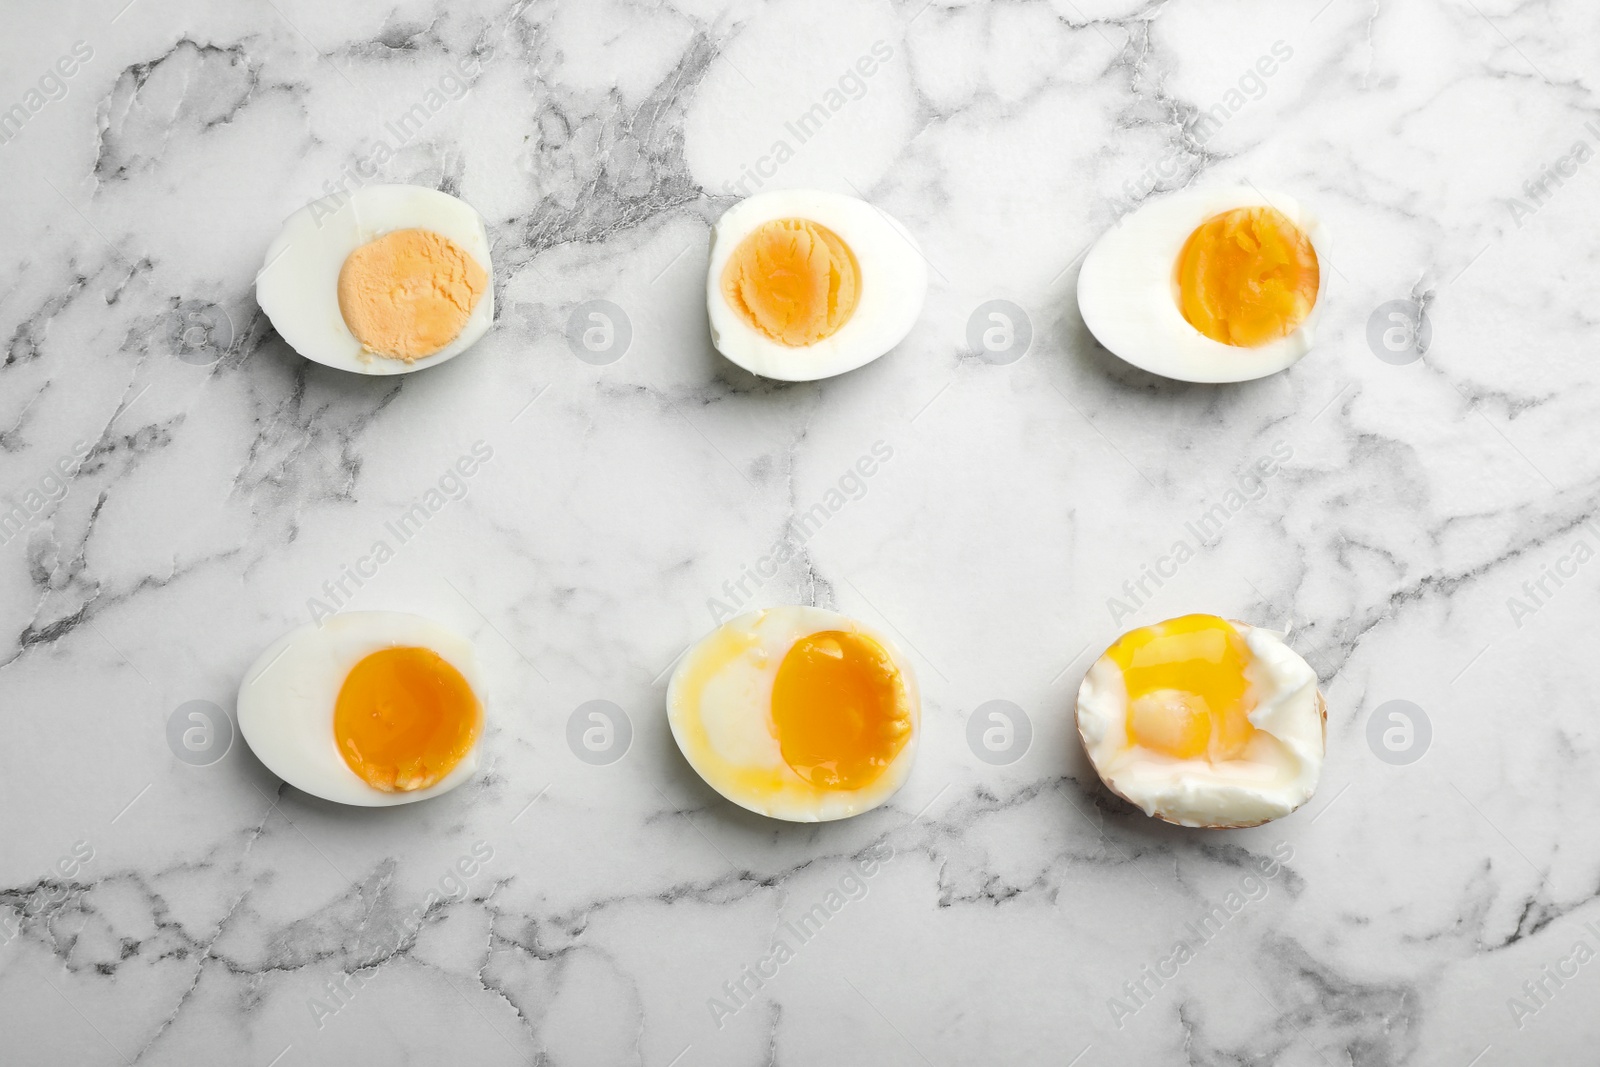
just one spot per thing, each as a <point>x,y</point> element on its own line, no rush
<point>1247,277</point>
<point>794,280</point>
<point>839,710</point>
<point>409,293</point>
<point>1188,695</point>
<point>404,718</point>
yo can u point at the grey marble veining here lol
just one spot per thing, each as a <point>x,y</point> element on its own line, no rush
<point>182,488</point>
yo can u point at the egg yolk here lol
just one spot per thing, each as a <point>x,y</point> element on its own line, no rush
<point>1188,694</point>
<point>793,280</point>
<point>838,710</point>
<point>404,718</point>
<point>1247,277</point>
<point>409,293</point>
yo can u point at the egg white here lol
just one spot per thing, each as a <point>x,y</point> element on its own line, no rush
<point>1128,297</point>
<point>721,715</point>
<point>1276,773</point>
<point>894,284</point>
<point>298,285</point>
<point>287,698</point>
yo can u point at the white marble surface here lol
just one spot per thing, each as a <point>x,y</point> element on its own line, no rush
<point>158,912</point>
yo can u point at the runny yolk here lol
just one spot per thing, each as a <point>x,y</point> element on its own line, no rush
<point>1188,695</point>
<point>794,280</point>
<point>404,718</point>
<point>409,293</point>
<point>1247,277</point>
<point>839,710</point>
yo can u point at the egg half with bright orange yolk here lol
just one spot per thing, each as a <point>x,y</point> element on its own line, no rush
<point>1208,285</point>
<point>1204,722</point>
<point>385,279</point>
<point>369,708</point>
<point>805,284</point>
<point>797,713</point>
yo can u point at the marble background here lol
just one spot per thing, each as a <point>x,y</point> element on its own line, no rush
<point>1423,539</point>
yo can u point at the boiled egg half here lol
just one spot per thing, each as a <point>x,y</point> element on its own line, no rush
<point>369,708</point>
<point>797,713</point>
<point>386,279</point>
<point>806,284</point>
<point>1208,285</point>
<point>1200,721</point>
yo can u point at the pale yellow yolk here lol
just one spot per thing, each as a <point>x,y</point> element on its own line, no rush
<point>1188,696</point>
<point>794,280</point>
<point>1247,277</point>
<point>409,293</point>
<point>404,718</point>
<point>838,710</point>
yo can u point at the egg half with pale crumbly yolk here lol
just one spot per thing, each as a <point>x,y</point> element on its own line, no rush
<point>805,284</point>
<point>384,279</point>
<point>1219,285</point>
<point>796,713</point>
<point>409,293</point>
<point>1204,722</point>
<point>369,708</point>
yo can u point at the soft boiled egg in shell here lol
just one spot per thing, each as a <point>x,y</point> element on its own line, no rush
<point>1249,267</point>
<point>797,713</point>
<point>1201,721</point>
<point>387,279</point>
<point>804,284</point>
<point>370,708</point>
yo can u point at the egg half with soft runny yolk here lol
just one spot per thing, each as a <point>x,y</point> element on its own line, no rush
<point>368,708</point>
<point>838,710</point>
<point>1188,694</point>
<point>805,284</point>
<point>796,713</point>
<point>1208,285</point>
<point>1202,721</point>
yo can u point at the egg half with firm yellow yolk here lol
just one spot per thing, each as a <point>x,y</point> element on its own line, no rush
<point>369,708</point>
<point>386,279</point>
<point>797,713</point>
<point>1208,285</point>
<point>1201,721</point>
<point>805,284</point>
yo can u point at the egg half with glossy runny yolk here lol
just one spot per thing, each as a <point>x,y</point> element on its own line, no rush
<point>796,713</point>
<point>386,279</point>
<point>368,708</point>
<point>805,284</point>
<point>1208,285</point>
<point>1202,721</point>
